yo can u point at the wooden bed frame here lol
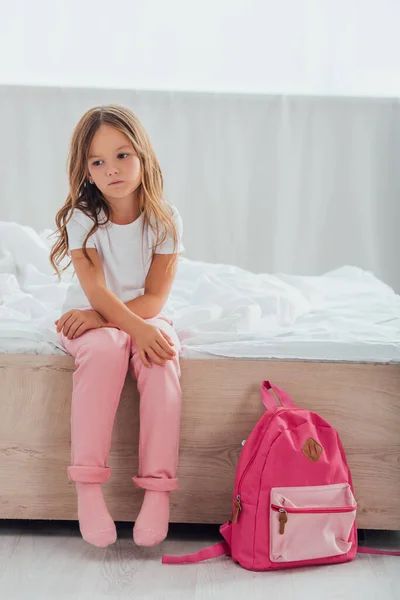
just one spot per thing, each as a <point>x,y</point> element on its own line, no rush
<point>221,405</point>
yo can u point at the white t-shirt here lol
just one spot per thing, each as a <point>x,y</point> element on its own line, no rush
<point>125,252</point>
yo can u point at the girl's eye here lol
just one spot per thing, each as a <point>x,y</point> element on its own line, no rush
<point>97,163</point>
<point>123,155</point>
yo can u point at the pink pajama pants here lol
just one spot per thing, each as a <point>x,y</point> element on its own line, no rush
<point>103,357</point>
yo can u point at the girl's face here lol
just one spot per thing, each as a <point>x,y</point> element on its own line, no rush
<point>113,165</point>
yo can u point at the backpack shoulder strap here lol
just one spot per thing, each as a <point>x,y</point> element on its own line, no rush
<point>220,549</point>
<point>223,549</point>
<point>364,550</point>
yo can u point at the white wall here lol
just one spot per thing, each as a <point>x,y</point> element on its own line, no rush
<point>344,47</point>
<point>271,184</point>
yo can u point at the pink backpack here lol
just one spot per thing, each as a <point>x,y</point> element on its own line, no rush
<point>293,502</point>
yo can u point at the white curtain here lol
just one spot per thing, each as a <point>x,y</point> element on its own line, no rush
<point>330,47</point>
<point>296,185</point>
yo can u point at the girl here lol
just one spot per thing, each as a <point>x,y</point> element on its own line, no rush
<point>123,240</point>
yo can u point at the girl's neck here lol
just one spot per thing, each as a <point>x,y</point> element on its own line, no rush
<point>124,210</point>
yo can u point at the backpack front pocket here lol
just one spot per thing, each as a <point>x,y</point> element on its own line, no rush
<point>311,522</point>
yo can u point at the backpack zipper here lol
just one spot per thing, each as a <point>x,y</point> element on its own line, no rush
<point>283,512</point>
<point>237,508</point>
<point>238,501</point>
<point>316,510</point>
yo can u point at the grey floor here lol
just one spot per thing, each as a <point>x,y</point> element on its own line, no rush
<point>49,560</point>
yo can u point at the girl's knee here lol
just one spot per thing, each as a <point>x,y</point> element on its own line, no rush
<point>170,369</point>
<point>108,348</point>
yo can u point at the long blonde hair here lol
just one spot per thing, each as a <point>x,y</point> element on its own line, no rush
<point>88,198</point>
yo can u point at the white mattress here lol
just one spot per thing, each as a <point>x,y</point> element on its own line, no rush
<point>218,310</point>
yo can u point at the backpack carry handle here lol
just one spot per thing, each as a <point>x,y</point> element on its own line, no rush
<point>273,397</point>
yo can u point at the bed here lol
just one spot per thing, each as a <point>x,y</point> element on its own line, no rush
<point>333,342</point>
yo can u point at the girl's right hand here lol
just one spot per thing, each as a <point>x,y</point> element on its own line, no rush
<point>75,322</point>
<point>153,345</point>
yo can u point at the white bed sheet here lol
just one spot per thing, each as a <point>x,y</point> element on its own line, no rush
<point>218,310</point>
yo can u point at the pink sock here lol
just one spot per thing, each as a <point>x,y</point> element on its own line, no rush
<point>95,522</point>
<point>151,526</point>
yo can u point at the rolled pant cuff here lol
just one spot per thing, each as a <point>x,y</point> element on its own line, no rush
<point>156,485</point>
<point>89,474</point>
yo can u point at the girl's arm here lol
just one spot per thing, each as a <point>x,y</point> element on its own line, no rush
<point>153,344</point>
<point>93,282</point>
<point>157,287</point>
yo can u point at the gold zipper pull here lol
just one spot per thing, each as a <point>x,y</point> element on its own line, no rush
<point>282,520</point>
<point>237,508</point>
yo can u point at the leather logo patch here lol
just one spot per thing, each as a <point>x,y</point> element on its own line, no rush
<point>312,450</point>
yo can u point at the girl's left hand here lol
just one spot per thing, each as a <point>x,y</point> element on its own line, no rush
<point>75,322</point>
